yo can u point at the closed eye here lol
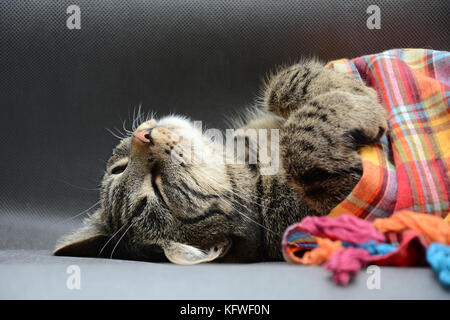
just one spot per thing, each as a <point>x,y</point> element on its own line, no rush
<point>118,169</point>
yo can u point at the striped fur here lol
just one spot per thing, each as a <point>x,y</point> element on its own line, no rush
<point>153,207</point>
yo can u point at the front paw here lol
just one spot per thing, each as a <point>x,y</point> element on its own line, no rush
<point>369,132</point>
<point>359,137</point>
<point>286,89</point>
<point>356,120</point>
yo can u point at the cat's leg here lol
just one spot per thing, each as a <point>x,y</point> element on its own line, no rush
<point>319,140</point>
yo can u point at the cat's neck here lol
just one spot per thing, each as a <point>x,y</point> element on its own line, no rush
<point>270,206</point>
<point>280,207</point>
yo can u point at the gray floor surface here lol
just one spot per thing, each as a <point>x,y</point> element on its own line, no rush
<point>29,271</point>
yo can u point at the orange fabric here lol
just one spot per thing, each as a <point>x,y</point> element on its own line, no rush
<point>433,228</point>
<point>372,184</point>
<point>322,252</point>
<point>447,219</point>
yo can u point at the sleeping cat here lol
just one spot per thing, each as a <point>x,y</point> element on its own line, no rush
<point>154,208</point>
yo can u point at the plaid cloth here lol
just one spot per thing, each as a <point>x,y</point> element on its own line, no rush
<point>409,169</point>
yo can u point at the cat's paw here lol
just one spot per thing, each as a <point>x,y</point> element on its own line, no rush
<point>359,137</point>
<point>367,131</point>
<point>355,120</point>
<point>285,90</point>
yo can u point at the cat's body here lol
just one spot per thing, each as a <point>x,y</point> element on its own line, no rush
<point>154,207</point>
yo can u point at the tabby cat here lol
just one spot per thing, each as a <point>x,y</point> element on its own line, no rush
<point>153,208</point>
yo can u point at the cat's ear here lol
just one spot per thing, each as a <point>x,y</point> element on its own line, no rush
<point>88,241</point>
<point>180,253</point>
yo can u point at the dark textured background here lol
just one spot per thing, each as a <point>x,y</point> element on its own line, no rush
<point>61,88</point>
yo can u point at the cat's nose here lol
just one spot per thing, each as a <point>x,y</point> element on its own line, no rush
<point>145,136</point>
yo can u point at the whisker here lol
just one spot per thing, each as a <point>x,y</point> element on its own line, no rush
<point>109,240</point>
<point>128,132</point>
<point>78,187</point>
<point>133,121</point>
<point>81,213</point>
<point>122,134</point>
<point>120,240</point>
<point>114,134</point>
<point>142,117</point>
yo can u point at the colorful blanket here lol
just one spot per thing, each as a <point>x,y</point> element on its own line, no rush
<point>406,173</point>
<point>409,170</point>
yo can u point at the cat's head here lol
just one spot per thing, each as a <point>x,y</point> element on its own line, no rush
<point>167,193</point>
